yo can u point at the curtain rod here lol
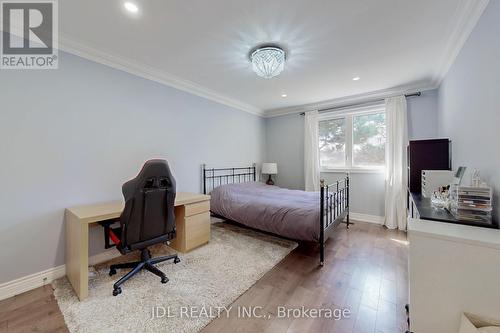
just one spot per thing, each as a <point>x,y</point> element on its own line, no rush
<point>419,93</point>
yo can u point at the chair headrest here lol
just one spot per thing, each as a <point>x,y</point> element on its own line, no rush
<point>152,169</point>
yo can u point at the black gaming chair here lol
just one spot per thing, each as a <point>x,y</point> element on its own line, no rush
<point>147,219</point>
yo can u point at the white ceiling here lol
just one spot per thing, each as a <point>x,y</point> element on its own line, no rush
<point>202,45</point>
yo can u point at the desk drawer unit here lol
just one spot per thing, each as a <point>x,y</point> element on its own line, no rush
<point>197,208</point>
<point>192,225</point>
<point>197,230</point>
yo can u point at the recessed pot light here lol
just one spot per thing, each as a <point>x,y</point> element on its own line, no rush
<point>356,78</point>
<point>131,7</point>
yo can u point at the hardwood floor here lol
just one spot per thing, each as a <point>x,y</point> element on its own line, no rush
<point>33,311</point>
<point>365,271</point>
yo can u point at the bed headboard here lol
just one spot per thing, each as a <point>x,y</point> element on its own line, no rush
<point>213,177</point>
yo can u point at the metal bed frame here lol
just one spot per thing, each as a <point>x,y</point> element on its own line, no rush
<point>333,203</point>
<point>333,208</point>
<point>212,176</point>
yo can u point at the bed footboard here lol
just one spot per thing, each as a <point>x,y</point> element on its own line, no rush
<point>334,208</point>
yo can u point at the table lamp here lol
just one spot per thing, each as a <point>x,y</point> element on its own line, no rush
<point>269,169</point>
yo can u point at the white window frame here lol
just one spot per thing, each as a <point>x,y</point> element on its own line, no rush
<point>348,114</point>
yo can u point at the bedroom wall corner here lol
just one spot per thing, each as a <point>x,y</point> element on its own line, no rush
<point>469,102</point>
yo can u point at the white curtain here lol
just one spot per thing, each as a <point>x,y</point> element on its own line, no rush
<point>395,163</point>
<point>311,151</point>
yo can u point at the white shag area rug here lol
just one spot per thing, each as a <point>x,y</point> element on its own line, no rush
<point>213,275</point>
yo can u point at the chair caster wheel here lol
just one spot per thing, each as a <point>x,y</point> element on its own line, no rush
<point>177,260</point>
<point>164,279</point>
<point>112,272</point>
<point>117,291</point>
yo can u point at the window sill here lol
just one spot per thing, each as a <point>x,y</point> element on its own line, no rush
<point>354,170</point>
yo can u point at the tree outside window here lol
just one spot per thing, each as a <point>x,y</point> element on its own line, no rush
<point>353,141</point>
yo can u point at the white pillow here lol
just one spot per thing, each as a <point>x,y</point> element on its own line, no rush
<point>490,329</point>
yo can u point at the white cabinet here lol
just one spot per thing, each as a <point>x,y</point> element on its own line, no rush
<point>453,269</point>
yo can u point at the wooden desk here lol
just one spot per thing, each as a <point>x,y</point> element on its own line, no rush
<point>192,220</point>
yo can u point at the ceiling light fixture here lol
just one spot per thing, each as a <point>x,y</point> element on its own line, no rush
<point>131,7</point>
<point>356,78</point>
<point>268,61</point>
<point>284,95</point>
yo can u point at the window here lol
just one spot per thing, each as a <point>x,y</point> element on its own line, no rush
<point>332,143</point>
<point>353,140</point>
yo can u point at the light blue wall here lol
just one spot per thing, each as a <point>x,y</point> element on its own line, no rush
<point>469,101</point>
<point>285,145</point>
<point>423,116</point>
<point>73,136</point>
<point>367,191</point>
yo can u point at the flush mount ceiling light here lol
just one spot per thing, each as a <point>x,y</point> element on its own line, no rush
<point>356,78</point>
<point>268,61</point>
<point>131,7</point>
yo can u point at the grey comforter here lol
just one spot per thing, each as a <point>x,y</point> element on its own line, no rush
<point>290,213</point>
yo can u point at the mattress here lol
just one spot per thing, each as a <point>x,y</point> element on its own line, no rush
<point>292,214</point>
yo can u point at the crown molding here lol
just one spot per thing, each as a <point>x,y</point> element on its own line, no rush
<point>466,19</point>
<point>70,46</point>
<point>354,99</point>
<point>467,16</point>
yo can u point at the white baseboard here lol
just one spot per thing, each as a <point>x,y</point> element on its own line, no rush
<point>367,218</point>
<point>33,281</point>
<point>27,283</point>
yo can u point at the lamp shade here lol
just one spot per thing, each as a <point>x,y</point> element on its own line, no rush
<point>269,168</point>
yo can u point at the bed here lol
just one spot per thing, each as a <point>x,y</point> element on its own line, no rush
<point>299,215</point>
